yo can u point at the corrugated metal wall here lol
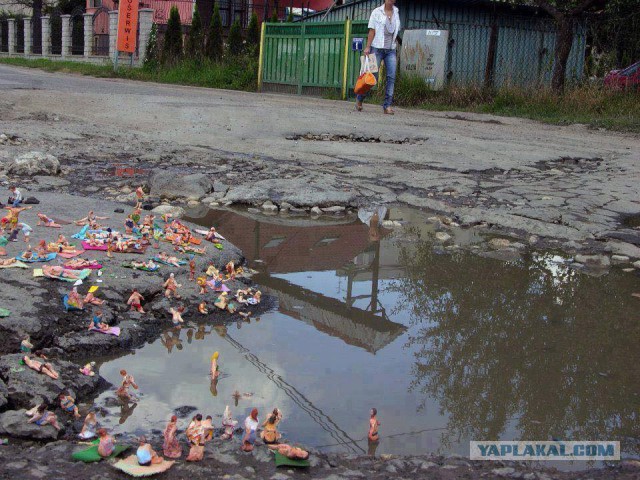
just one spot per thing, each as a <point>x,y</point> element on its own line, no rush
<point>525,43</point>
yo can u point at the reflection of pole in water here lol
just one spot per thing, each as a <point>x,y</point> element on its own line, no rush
<point>375,273</point>
<point>299,399</point>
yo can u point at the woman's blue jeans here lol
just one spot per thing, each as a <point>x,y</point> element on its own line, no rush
<point>388,56</point>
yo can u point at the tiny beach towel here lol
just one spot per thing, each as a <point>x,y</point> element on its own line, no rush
<point>16,264</point>
<point>86,246</point>
<point>115,331</point>
<point>159,260</point>
<point>82,233</point>
<point>72,254</point>
<point>131,467</point>
<point>90,455</point>
<point>82,274</point>
<point>36,258</point>
<point>4,312</point>
<point>282,461</point>
<point>144,269</point>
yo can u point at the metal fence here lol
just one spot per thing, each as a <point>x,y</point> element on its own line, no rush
<point>312,59</point>
<point>502,53</point>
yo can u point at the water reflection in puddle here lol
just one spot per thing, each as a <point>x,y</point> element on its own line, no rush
<point>448,345</point>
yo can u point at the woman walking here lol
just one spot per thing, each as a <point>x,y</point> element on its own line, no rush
<point>384,25</point>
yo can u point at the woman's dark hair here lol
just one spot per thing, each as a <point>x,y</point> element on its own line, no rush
<point>209,417</point>
<point>272,418</point>
<point>375,411</point>
<point>199,417</point>
<point>42,407</point>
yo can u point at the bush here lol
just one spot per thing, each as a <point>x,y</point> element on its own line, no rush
<point>274,16</point>
<point>151,54</point>
<point>172,48</point>
<point>253,35</point>
<point>235,44</point>
<point>214,41</point>
<point>196,37</point>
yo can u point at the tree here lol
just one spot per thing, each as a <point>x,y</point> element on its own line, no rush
<point>274,16</point>
<point>151,54</point>
<point>290,16</point>
<point>253,34</point>
<point>235,45</point>
<point>565,14</point>
<point>214,40</point>
<point>196,37</point>
<point>172,48</point>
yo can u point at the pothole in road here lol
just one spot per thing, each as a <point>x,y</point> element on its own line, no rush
<point>632,221</point>
<point>570,164</point>
<point>332,137</point>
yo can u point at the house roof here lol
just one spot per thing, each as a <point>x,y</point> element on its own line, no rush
<point>494,4</point>
<point>161,9</point>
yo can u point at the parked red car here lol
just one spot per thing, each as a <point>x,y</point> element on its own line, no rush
<point>628,77</point>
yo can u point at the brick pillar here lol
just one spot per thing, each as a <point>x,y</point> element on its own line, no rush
<point>145,17</point>
<point>88,33</point>
<point>113,33</point>
<point>11,22</point>
<point>46,35</point>
<point>27,36</point>
<point>66,35</point>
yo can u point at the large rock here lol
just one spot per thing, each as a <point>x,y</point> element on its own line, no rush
<point>132,335</point>
<point>298,192</point>
<point>171,185</point>
<point>23,384</point>
<point>174,211</point>
<point>597,261</point>
<point>34,163</point>
<point>49,181</point>
<point>15,424</point>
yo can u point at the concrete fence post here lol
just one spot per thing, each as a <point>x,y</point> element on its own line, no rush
<point>46,35</point>
<point>11,24</point>
<point>28,36</point>
<point>66,35</point>
<point>145,17</point>
<point>88,33</point>
<point>113,33</point>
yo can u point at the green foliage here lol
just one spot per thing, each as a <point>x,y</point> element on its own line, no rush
<point>172,48</point>
<point>274,16</point>
<point>237,74</point>
<point>589,104</point>
<point>253,35</point>
<point>215,47</point>
<point>290,16</point>
<point>195,41</point>
<point>68,6</point>
<point>235,44</point>
<point>151,54</point>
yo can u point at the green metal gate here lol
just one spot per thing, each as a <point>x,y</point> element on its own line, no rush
<point>309,58</point>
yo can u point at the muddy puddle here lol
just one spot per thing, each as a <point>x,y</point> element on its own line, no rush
<point>449,344</point>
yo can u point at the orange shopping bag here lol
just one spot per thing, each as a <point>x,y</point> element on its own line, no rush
<point>366,80</point>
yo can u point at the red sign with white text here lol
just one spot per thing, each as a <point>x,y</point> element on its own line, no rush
<point>127,25</point>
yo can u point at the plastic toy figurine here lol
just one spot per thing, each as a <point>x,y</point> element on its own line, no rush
<point>171,287</point>
<point>135,301</point>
